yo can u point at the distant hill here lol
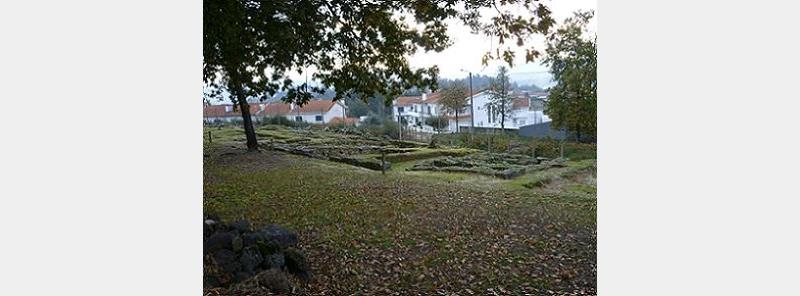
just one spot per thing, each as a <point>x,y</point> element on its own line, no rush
<point>483,81</point>
<point>541,80</point>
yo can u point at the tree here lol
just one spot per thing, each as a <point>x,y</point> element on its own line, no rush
<point>454,99</point>
<point>572,58</point>
<point>439,122</point>
<point>500,101</point>
<point>356,47</point>
<point>356,107</point>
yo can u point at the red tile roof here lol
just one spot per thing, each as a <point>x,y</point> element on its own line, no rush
<point>315,107</point>
<point>277,109</point>
<point>433,98</point>
<point>406,101</point>
<point>219,110</point>
<point>520,103</point>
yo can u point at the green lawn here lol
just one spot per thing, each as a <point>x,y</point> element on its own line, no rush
<point>412,232</point>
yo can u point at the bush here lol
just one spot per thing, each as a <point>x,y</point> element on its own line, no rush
<point>502,142</point>
<point>277,120</point>
<point>379,127</point>
<point>439,123</point>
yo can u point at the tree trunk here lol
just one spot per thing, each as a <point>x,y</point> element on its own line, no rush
<point>456,121</point>
<point>503,120</point>
<point>249,131</point>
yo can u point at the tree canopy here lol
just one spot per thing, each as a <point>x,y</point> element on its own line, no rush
<point>572,57</point>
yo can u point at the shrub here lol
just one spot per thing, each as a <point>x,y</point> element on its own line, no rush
<point>377,126</point>
<point>278,120</point>
<point>502,142</point>
<point>439,123</point>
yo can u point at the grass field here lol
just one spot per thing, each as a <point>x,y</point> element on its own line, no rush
<point>414,231</point>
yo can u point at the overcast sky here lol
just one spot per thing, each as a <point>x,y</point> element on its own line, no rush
<point>468,48</point>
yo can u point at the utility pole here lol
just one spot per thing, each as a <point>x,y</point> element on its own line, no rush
<point>400,126</point>
<point>471,109</point>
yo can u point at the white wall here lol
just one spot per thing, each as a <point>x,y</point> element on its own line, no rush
<point>464,123</point>
<point>335,111</point>
<point>481,112</point>
<point>528,117</point>
<point>523,116</point>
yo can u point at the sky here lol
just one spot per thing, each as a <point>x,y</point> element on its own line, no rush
<point>468,48</point>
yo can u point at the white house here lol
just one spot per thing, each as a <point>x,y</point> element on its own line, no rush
<point>414,110</point>
<point>407,109</point>
<point>318,111</point>
<point>315,111</point>
<point>526,110</point>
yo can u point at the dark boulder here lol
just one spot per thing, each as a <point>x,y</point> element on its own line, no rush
<point>241,226</point>
<point>242,275</point>
<point>251,238</point>
<point>268,247</point>
<point>274,261</point>
<point>284,237</point>
<point>207,230</point>
<point>209,227</point>
<point>226,260</point>
<point>219,241</point>
<point>237,244</point>
<point>296,263</point>
<point>275,280</point>
<point>250,259</point>
<point>211,281</point>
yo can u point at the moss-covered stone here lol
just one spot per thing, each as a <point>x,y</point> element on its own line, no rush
<point>268,248</point>
<point>296,263</point>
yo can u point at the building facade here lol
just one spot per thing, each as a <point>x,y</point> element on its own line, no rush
<point>315,111</point>
<point>526,109</point>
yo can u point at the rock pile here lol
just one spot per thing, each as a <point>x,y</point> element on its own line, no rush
<point>235,252</point>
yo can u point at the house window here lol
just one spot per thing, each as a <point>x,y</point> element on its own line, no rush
<point>298,118</point>
<point>228,108</point>
<point>429,110</point>
<point>318,118</point>
<point>399,109</point>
